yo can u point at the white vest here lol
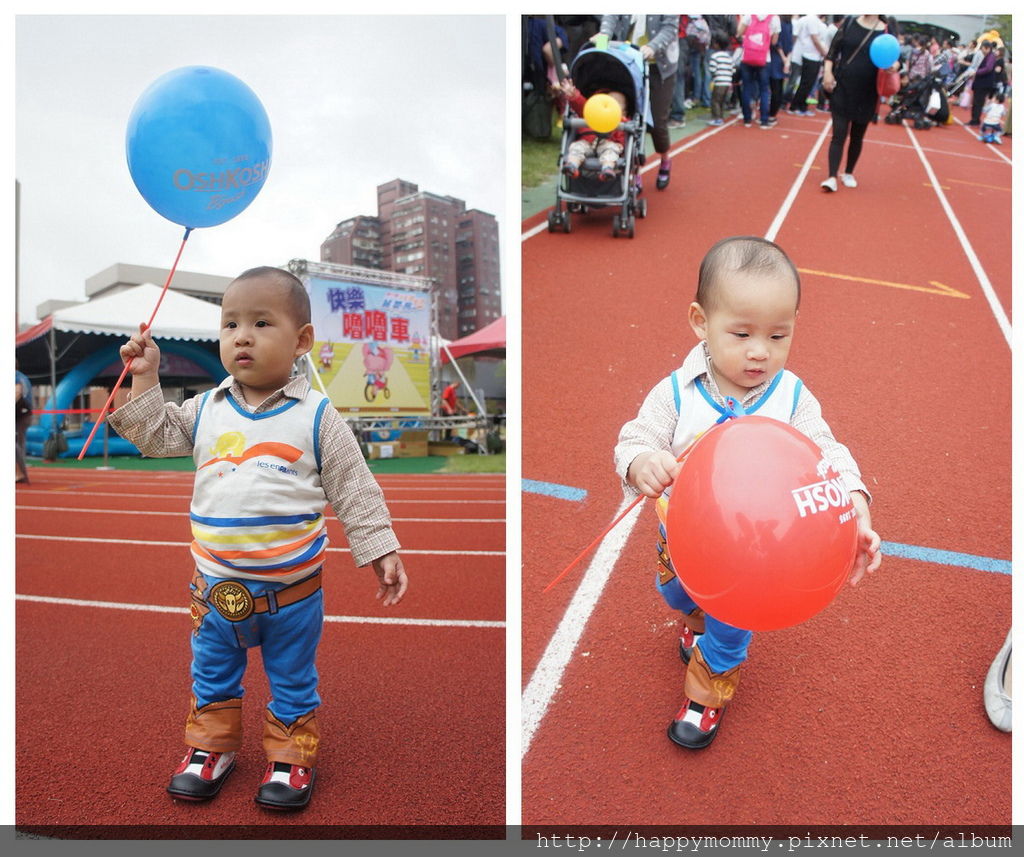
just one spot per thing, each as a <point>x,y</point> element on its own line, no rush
<point>258,505</point>
<point>698,411</point>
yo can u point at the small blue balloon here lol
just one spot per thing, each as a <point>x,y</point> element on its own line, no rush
<point>884,50</point>
<point>198,145</point>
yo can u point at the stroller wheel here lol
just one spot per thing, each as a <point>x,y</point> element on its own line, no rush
<point>641,208</point>
<point>892,120</point>
<point>566,223</point>
<point>574,207</point>
<point>623,225</point>
<point>558,221</point>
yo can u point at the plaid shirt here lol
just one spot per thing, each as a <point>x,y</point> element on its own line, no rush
<point>161,430</point>
<point>655,424</point>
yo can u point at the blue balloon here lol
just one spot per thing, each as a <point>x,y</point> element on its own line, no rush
<point>884,50</point>
<point>198,146</point>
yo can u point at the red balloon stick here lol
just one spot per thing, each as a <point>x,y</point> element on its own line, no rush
<point>680,458</point>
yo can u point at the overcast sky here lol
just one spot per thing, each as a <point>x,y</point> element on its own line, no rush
<point>353,102</point>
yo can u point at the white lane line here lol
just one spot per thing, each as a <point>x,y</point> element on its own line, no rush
<point>787,203</point>
<point>972,257</point>
<point>182,544</point>
<point>992,147</point>
<point>547,676</point>
<point>354,620</point>
<point>186,514</point>
<point>874,141</point>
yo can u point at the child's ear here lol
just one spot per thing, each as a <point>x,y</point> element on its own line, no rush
<point>698,320</point>
<point>305,340</point>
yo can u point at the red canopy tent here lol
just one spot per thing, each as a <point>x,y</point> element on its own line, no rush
<point>485,342</point>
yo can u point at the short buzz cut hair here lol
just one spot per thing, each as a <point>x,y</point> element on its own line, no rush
<point>741,253</point>
<point>298,299</point>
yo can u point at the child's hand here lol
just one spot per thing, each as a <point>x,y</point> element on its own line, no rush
<point>143,353</point>
<point>568,89</point>
<point>652,472</point>
<point>391,574</point>
<point>869,554</point>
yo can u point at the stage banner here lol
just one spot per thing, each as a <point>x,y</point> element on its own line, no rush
<point>372,345</point>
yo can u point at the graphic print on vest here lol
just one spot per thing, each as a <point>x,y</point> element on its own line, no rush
<point>230,449</point>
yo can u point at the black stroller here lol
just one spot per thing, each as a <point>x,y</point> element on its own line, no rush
<point>618,67</point>
<point>923,101</point>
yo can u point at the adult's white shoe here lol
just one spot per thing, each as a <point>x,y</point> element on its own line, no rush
<point>998,702</point>
<point>848,180</point>
<point>830,184</point>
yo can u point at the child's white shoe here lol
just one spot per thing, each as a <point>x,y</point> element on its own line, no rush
<point>830,184</point>
<point>286,786</point>
<point>201,774</point>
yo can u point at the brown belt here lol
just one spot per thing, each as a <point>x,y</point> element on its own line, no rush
<point>236,603</point>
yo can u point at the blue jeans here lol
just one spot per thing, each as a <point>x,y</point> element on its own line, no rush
<point>701,83</point>
<point>723,646</point>
<point>754,84</point>
<point>288,640</point>
<point>679,94</point>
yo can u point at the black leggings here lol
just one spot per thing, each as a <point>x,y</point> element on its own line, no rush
<point>841,125</point>
<point>978,102</point>
<point>808,75</point>
<point>661,90</point>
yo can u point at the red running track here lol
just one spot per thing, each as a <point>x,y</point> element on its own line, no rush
<point>871,713</point>
<point>413,712</point>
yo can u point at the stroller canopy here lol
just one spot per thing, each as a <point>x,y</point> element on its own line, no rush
<point>619,67</point>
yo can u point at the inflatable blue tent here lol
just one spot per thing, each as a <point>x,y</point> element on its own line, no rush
<point>85,339</point>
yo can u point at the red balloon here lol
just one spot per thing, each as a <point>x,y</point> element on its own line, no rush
<point>761,528</point>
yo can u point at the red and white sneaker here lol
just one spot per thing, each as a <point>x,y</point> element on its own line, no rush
<point>286,786</point>
<point>201,774</point>
<point>687,640</point>
<point>695,726</point>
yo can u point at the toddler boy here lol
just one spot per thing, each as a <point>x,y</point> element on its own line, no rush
<point>744,314</point>
<point>268,452</point>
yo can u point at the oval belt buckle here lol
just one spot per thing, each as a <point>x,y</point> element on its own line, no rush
<point>232,600</point>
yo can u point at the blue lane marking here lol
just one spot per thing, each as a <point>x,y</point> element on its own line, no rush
<point>981,563</point>
<point>552,489</point>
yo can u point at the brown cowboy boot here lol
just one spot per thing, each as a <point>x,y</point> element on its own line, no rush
<point>214,734</point>
<point>696,723</point>
<point>291,762</point>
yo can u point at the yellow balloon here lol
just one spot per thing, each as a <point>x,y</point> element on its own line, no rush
<point>602,113</point>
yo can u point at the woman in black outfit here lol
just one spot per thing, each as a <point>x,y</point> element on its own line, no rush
<point>850,77</point>
<point>985,80</point>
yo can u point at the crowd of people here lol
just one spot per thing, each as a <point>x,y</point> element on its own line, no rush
<point>761,66</point>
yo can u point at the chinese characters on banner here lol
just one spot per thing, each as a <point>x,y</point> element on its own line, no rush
<point>372,346</point>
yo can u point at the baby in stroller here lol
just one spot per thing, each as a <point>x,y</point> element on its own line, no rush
<point>607,148</point>
<point>602,169</point>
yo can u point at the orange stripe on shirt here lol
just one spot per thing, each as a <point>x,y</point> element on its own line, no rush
<point>278,450</point>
